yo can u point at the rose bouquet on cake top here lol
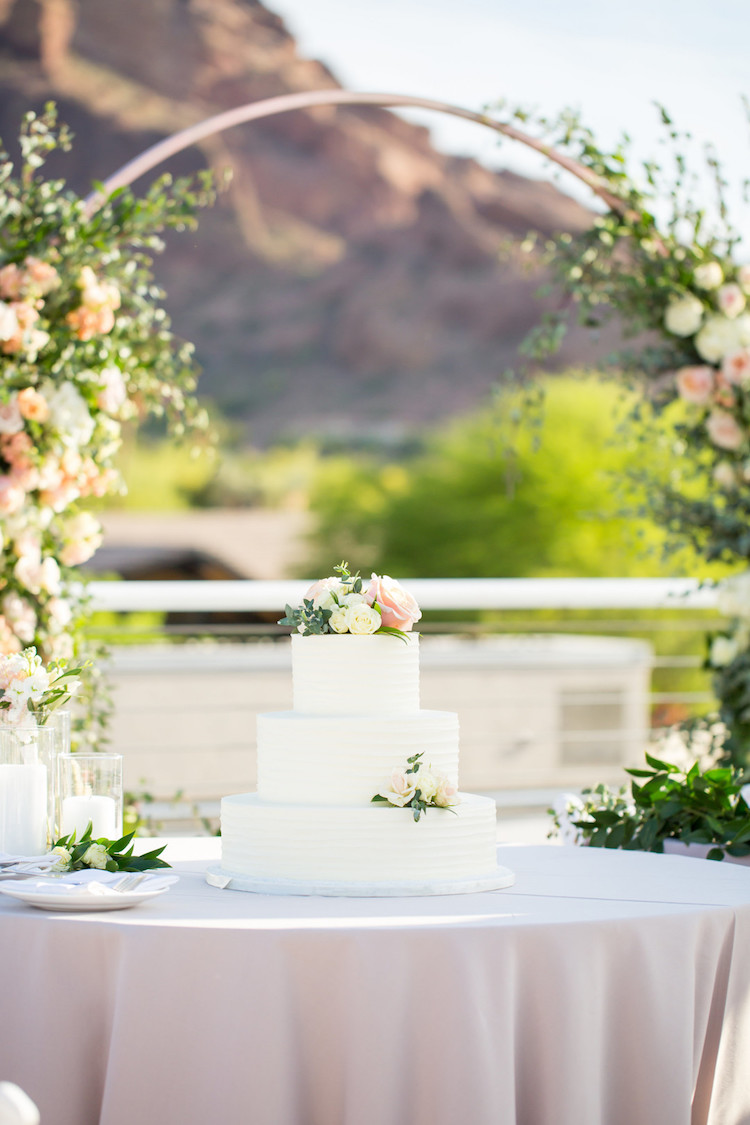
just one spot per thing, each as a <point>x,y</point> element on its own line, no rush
<point>344,603</point>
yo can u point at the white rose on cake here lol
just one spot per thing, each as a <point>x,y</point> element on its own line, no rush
<point>362,619</point>
<point>428,784</point>
<point>338,621</point>
<point>401,789</point>
<point>447,794</point>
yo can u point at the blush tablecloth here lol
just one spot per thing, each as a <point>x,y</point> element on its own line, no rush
<point>604,988</point>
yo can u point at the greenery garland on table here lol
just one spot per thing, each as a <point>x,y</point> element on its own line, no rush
<point>85,348</point>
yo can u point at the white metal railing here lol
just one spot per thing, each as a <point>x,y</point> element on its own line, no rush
<point>431,593</point>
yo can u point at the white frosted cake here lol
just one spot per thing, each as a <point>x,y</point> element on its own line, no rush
<point>312,826</point>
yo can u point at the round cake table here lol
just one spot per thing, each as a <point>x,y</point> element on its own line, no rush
<point>603,988</point>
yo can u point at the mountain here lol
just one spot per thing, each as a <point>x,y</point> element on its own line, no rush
<point>353,280</point>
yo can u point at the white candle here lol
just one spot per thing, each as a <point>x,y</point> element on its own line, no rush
<point>100,810</point>
<point>23,809</point>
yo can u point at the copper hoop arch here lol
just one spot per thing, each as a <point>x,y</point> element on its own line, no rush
<point>269,107</point>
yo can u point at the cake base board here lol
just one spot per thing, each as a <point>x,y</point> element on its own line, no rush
<point>497,880</point>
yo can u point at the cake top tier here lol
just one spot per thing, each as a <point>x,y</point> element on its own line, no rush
<point>355,675</point>
<point>346,603</point>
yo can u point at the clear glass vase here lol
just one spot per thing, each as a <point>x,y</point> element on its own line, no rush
<point>90,791</point>
<point>27,757</point>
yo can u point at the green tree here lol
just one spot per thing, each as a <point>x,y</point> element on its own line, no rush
<point>491,498</point>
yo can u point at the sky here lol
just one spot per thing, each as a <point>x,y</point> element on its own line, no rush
<point>611,61</point>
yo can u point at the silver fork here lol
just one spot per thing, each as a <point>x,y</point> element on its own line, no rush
<point>128,882</point>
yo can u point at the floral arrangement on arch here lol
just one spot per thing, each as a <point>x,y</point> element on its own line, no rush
<point>344,604</point>
<point>667,270</point>
<point>85,348</point>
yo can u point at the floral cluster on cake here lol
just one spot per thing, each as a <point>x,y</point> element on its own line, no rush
<point>345,603</point>
<point>418,787</point>
<point>29,689</point>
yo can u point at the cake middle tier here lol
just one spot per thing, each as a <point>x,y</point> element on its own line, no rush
<point>347,759</point>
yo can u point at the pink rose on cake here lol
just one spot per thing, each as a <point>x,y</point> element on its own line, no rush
<point>397,607</point>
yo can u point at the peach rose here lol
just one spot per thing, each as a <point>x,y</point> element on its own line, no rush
<point>87,322</point>
<point>731,300</point>
<point>724,431</point>
<point>736,367</point>
<point>25,476</point>
<point>695,384</point>
<point>60,497</point>
<point>398,608</point>
<point>28,545</point>
<point>33,405</point>
<point>16,448</point>
<point>9,642</point>
<point>11,421</point>
<point>11,496</point>
<point>446,794</point>
<point>40,277</point>
<point>11,282</point>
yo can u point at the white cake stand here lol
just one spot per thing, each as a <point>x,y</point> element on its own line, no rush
<point>497,880</point>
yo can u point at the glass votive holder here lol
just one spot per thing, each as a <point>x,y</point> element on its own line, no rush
<point>90,791</point>
<point>26,755</point>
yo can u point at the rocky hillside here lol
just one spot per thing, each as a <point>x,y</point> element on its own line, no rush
<point>354,279</point>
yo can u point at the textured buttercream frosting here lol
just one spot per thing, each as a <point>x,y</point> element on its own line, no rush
<point>374,843</point>
<point>352,675</point>
<point>356,719</point>
<point>346,759</point>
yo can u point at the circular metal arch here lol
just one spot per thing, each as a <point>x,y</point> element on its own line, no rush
<point>269,107</point>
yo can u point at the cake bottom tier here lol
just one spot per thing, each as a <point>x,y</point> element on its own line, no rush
<point>371,844</point>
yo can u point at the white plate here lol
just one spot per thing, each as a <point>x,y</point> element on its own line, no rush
<point>79,900</point>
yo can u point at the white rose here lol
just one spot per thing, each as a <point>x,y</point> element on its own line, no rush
<point>60,614</point>
<point>352,599</point>
<point>723,651</point>
<point>362,619</point>
<point>743,277</point>
<point>709,275</point>
<point>447,794</point>
<point>401,789</point>
<point>720,336</point>
<point>684,315</point>
<point>50,576</point>
<point>113,393</point>
<point>63,858</point>
<point>338,621</point>
<point>9,326</point>
<point>724,475</point>
<point>427,784</point>
<point>69,413</point>
<point>96,856</point>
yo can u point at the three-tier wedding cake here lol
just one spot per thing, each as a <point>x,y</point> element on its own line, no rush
<point>357,786</point>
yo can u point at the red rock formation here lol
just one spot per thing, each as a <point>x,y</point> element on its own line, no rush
<point>352,277</point>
